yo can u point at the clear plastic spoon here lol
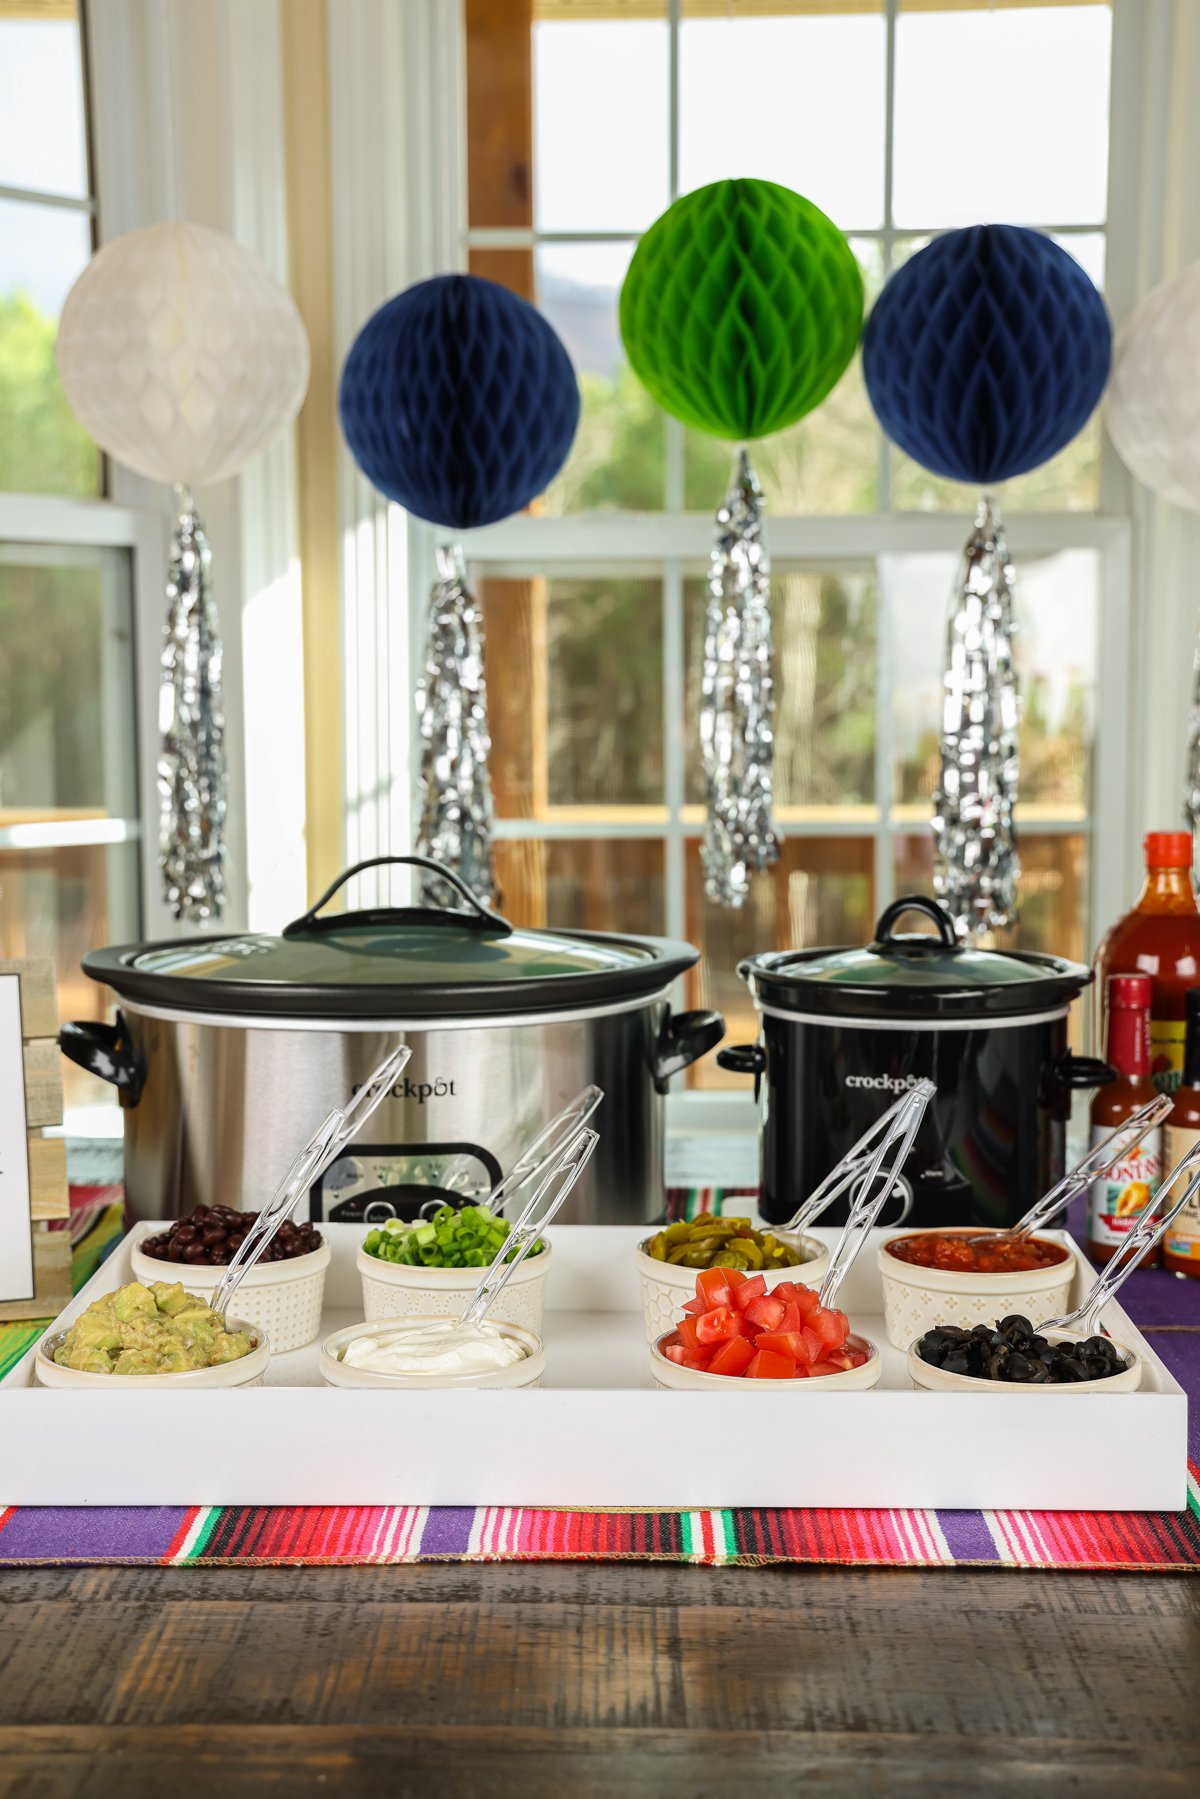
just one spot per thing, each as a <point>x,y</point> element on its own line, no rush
<point>902,1122</point>
<point>1134,1250</point>
<point>323,1147</point>
<point>1099,1159</point>
<point>566,1164</point>
<point>852,1165</point>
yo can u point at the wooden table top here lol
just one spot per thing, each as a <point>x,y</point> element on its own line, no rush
<point>567,1679</point>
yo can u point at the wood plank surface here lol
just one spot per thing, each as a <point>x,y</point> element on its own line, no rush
<point>43,1082</point>
<point>49,1196</point>
<point>535,1679</point>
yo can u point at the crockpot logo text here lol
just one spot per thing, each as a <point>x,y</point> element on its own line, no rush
<point>418,1090</point>
<point>883,1083</point>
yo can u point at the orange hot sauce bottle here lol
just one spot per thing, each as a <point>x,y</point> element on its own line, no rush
<point>1160,937</point>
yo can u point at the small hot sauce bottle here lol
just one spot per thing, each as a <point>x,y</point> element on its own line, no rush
<point>1181,1245</point>
<point>1119,1197</point>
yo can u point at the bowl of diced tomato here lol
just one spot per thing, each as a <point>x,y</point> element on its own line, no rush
<point>736,1329</point>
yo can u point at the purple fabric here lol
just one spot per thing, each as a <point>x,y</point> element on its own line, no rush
<point>448,1531</point>
<point>83,1533</point>
<point>968,1537</point>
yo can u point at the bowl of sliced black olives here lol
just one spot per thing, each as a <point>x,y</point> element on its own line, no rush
<point>1012,1356</point>
<point>284,1291</point>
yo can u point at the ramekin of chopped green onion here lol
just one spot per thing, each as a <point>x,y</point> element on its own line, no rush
<point>430,1268</point>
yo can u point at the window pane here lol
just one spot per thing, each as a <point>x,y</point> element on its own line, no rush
<point>43,143</point>
<point>821,891</point>
<point>828,463</point>
<point>618,456</point>
<point>42,447</point>
<point>824,625</point>
<point>61,903</point>
<point>66,666</point>
<point>597,884</point>
<point>794,100</point>
<point>1058,602</point>
<point>1002,113</point>
<point>574,694</point>
<point>1053,898</point>
<point>600,112</point>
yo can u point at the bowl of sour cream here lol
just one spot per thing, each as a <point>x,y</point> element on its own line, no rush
<point>412,1353</point>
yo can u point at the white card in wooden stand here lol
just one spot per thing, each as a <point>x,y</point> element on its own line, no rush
<point>16,1232</point>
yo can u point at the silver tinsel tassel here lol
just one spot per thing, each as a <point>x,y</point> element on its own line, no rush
<point>977,866</point>
<point>191,756</point>
<point>455,786</point>
<point>736,737</point>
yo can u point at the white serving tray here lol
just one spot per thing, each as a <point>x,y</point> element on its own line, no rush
<point>597,1432</point>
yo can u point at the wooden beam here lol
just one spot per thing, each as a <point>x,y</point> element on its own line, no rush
<point>305,26</point>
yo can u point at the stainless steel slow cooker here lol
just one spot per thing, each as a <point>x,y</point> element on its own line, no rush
<point>844,1031</point>
<point>229,1051</point>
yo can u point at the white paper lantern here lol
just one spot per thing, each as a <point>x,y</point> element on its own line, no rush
<point>181,354</point>
<point>1153,408</point>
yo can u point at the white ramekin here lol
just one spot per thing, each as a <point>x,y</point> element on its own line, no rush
<point>247,1371</point>
<point>285,1298</point>
<point>394,1290</point>
<point>525,1373</point>
<point>670,1374</point>
<point>928,1379</point>
<point>666,1285</point>
<point>915,1299</point>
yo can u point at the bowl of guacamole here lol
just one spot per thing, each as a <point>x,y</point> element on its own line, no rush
<point>155,1334</point>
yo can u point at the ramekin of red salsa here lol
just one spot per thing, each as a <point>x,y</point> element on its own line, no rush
<point>959,1276</point>
<point>968,1252</point>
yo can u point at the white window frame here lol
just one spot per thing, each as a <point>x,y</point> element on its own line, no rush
<point>50,522</point>
<point>398,85</point>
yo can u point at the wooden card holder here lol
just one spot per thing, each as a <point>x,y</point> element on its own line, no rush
<point>49,1206</point>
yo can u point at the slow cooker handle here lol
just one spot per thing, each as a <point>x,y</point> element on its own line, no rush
<point>683,1039</point>
<point>1083,1071</point>
<point>914,902</point>
<point>400,914</point>
<point>106,1050</point>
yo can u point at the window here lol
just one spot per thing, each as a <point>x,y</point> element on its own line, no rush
<point>69,874</point>
<point>584,120</point>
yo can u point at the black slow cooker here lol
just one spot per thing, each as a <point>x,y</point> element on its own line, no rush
<point>844,1031</point>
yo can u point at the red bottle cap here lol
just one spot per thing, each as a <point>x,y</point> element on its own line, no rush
<point>1129,992</point>
<point>1168,849</point>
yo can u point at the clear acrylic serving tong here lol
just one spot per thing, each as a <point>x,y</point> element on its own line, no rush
<point>1097,1162</point>
<point>1134,1249</point>
<point>534,1158</point>
<point>562,1168</point>
<point>899,1125</point>
<point>322,1148</point>
<point>857,1160</point>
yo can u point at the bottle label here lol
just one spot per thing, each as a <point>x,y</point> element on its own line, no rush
<point>1120,1197</point>
<point>1183,1238</point>
<point>1166,1052</point>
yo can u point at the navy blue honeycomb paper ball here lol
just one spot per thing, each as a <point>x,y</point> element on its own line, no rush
<point>459,401</point>
<point>986,353</point>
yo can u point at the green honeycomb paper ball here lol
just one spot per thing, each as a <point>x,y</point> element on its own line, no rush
<point>741,308</point>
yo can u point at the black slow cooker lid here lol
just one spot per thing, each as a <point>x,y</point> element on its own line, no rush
<point>413,962</point>
<point>913,976</point>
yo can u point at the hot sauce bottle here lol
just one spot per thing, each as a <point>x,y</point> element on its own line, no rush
<point>1119,1197</point>
<point>1159,937</point>
<point>1181,1245</point>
